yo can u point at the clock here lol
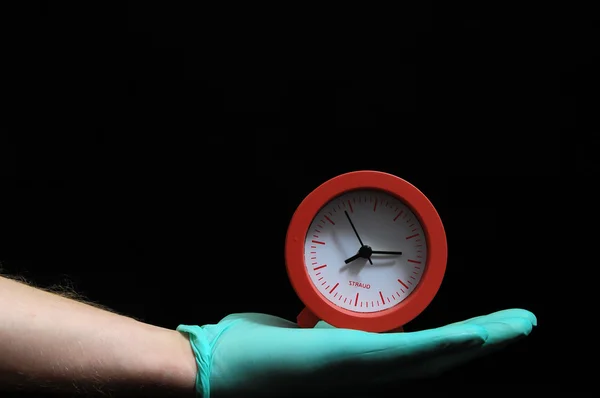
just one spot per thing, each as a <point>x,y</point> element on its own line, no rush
<point>365,250</point>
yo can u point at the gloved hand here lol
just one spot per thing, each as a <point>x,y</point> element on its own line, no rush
<point>261,355</point>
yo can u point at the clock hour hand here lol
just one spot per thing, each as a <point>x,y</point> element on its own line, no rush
<point>359,254</point>
<point>359,240</point>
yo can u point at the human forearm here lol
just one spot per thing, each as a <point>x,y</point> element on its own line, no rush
<point>50,342</point>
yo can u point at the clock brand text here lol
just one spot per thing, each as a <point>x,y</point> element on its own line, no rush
<point>359,284</point>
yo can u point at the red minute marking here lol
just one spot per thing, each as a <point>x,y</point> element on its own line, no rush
<point>402,283</point>
<point>398,215</point>
<point>333,288</point>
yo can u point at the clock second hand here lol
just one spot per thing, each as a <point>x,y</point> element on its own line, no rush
<point>355,257</point>
<point>359,240</point>
<point>386,252</point>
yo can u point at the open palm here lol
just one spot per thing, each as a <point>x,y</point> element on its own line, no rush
<point>253,354</point>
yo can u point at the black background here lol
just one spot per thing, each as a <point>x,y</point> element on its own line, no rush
<point>152,156</point>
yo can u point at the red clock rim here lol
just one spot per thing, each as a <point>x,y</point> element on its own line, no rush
<point>437,252</point>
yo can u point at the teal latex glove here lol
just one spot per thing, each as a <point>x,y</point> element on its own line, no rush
<point>262,355</point>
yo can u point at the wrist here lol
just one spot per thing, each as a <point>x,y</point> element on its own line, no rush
<point>170,366</point>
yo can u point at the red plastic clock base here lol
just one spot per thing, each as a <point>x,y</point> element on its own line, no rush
<point>306,319</point>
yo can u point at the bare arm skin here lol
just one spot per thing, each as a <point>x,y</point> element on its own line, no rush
<point>52,343</point>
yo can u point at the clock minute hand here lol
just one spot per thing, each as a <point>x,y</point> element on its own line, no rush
<point>355,232</point>
<point>353,228</point>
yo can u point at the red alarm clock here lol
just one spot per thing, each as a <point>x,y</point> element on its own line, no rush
<point>365,250</point>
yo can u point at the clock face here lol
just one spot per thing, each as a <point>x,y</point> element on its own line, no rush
<point>365,251</point>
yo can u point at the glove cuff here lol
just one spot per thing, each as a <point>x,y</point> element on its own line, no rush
<point>202,352</point>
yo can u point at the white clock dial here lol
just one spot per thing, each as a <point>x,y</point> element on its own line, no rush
<point>384,224</point>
